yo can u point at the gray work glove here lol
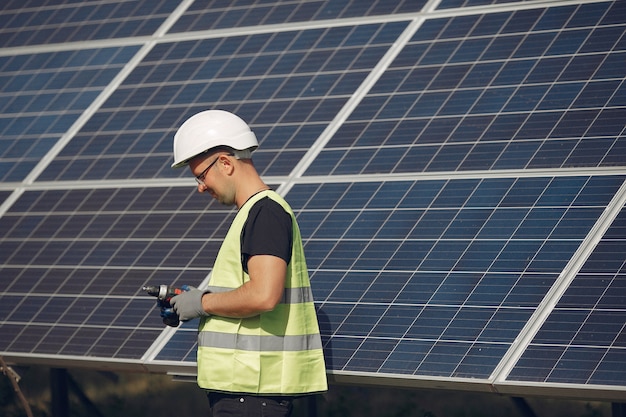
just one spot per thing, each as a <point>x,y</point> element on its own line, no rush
<point>188,304</point>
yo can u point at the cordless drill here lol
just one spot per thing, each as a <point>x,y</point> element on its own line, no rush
<point>164,294</point>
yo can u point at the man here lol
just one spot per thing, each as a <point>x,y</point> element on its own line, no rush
<point>259,344</point>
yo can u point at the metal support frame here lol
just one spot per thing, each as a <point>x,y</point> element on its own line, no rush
<point>618,409</point>
<point>60,403</point>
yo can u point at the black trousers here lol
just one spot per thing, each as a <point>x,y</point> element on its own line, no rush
<point>233,405</point>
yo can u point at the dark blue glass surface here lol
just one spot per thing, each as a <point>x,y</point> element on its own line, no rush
<point>507,90</point>
<point>582,341</point>
<point>42,95</point>
<point>209,16</point>
<point>272,89</point>
<point>70,21</point>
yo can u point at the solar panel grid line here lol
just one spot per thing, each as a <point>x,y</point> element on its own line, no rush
<point>352,102</point>
<point>350,268</point>
<point>206,17</point>
<point>87,114</point>
<point>429,291</point>
<point>109,183</point>
<point>74,46</point>
<point>271,28</point>
<point>596,307</point>
<point>400,116</point>
<point>506,6</point>
<point>429,303</point>
<point>218,33</point>
<point>460,307</point>
<point>384,310</point>
<point>427,87</point>
<point>289,103</point>
<point>313,179</point>
<point>515,89</point>
<point>159,343</point>
<point>581,342</point>
<point>212,34</point>
<point>148,270</point>
<point>525,112</point>
<point>580,92</point>
<point>577,261</point>
<point>48,327</point>
<point>62,23</point>
<point>71,301</point>
<point>475,174</point>
<point>289,27</point>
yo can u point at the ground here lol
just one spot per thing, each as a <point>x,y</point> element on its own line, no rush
<point>135,395</point>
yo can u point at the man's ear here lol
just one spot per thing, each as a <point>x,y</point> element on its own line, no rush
<point>226,163</point>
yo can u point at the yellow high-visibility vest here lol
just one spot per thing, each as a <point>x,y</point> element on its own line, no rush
<point>278,352</point>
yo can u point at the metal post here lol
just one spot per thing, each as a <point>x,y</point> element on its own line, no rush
<point>58,392</point>
<point>523,407</point>
<point>618,409</point>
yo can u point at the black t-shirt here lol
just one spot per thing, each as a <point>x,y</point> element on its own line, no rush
<point>268,231</point>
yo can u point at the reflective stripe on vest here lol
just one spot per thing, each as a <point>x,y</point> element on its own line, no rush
<point>259,343</point>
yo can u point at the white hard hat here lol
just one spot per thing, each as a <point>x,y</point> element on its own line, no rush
<point>209,129</point>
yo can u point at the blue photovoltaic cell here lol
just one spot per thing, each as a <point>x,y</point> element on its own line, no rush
<point>62,21</point>
<point>440,279</point>
<point>495,91</point>
<point>80,257</point>
<point>42,95</point>
<point>583,341</point>
<point>220,15</point>
<point>287,86</point>
<point>29,325</point>
<point>182,347</point>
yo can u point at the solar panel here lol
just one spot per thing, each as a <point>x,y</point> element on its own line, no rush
<point>449,4</point>
<point>458,273</point>
<point>43,94</point>
<point>78,259</point>
<point>287,85</point>
<point>220,15</point>
<point>60,21</point>
<point>493,91</point>
<point>457,173</point>
<point>582,341</point>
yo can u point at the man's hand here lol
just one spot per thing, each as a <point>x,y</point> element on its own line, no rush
<point>188,305</point>
<point>169,317</point>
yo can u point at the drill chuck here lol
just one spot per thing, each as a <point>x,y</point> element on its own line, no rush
<point>162,292</point>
